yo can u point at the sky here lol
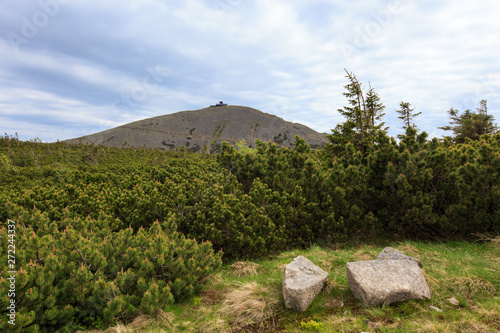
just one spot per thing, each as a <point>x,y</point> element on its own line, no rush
<point>70,68</point>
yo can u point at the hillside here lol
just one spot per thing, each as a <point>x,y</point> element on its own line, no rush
<point>199,242</point>
<point>208,126</point>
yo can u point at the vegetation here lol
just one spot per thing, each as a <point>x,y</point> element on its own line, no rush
<point>406,115</point>
<point>471,125</point>
<point>253,303</point>
<point>115,233</point>
<point>133,236</point>
<point>363,118</point>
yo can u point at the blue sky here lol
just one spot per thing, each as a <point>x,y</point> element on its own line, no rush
<point>71,67</point>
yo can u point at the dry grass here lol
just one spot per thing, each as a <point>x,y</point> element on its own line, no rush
<point>366,253</point>
<point>325,264</point>
<point>329,286</point>
<point>165,318</point>
<point>491,315</point>
<point>244,268</point>
<point>426,326</point>
<point>469,325</point>
<point>211,296</point>
<point>139,323</point>
<point>337,302</point>
<point>470,287</point>
<point>495,240</point>
<point>215,278</point>
<point>409,249</point>
<point>216,325</point>
<point>251,303</point>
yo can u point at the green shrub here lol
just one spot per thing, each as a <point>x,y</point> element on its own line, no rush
<point>87,270</point>
<point>89,244</point>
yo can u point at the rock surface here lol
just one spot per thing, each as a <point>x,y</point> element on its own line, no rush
<point>390,253</point>
<point>209,127</point>
<point>302,282</point>
<point>377,282</point>
<point>435,308</point>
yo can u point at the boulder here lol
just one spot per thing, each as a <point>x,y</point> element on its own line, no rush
<point>377,282</point>
<point>302,282</point>
<point>390,253</point>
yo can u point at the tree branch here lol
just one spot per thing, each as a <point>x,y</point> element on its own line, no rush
<point>83,259</point>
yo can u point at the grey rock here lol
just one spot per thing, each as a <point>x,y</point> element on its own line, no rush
<point>302,282</point>
<point>209,127</point>
<point>453,301</point>
<point>435,308</point>
<point>390,253</point>
<point>377,282</point>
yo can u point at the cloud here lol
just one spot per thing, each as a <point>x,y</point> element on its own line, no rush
<point>73,67</point>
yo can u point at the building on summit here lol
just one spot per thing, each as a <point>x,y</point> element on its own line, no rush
<point>221,103</point>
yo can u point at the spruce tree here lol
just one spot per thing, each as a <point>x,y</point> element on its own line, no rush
<point>407,115</point>
<point>355,112</point>
<point>470,124</point>
<point>374,113</point>
<point>363,114</point>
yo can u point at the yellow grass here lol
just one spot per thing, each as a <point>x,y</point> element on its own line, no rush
<point>251,303</point>
<point>244,268</point>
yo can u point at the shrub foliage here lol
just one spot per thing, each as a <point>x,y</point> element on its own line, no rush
<point>110,233</point>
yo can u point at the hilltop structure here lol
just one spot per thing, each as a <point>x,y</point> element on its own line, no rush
<point>221,103</point>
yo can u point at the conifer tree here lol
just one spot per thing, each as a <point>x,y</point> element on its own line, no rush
<point>363,117</point>
<point>407,115</point>
<point>355,112</point>
<point>374,112</point>
<point>470,124</point>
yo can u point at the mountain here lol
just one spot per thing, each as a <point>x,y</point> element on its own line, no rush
<point>206,127</point>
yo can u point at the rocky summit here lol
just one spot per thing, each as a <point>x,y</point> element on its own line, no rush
<point>206,127</point>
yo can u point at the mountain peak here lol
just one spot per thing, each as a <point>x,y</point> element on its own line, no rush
<point>209,127</point>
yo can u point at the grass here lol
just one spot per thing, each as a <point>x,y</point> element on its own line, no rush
<point>244,268</point>
<point>246,297</point>
<point>250,303</point>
